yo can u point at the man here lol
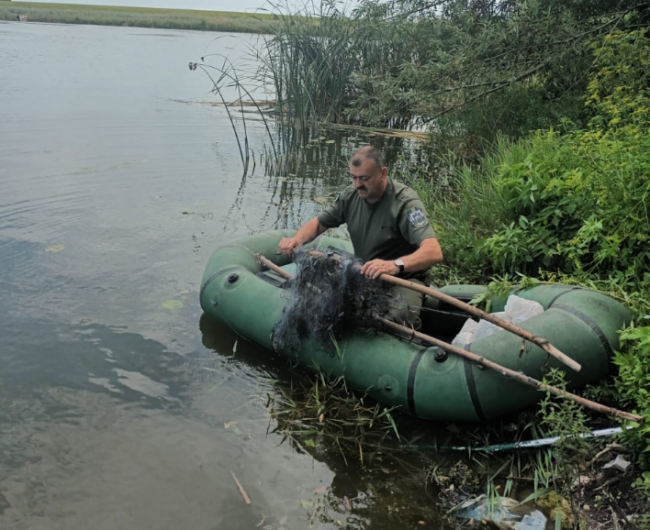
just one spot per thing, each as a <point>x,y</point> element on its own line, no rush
<point>388,228</point>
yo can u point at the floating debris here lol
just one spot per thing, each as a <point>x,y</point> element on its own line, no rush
<point>172,304</point>
<point>55,248</point>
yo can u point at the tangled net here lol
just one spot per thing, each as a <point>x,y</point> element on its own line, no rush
<point>327,297</point>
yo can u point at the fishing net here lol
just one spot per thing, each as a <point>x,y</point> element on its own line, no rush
<point>328,297</point>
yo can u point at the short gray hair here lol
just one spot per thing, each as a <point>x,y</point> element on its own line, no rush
<point>368,152</point>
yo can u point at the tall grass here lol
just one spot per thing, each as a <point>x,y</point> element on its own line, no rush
<point>138,17</point>
<point>307,61</point>
<point>311,59</point>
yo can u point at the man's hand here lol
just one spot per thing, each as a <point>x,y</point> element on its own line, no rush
<point>288,244</point>
<point>375,268</point>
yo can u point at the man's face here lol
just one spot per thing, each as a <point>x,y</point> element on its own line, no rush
<point>369,180</point>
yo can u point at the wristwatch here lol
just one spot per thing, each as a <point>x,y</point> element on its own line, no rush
<point>400,264</point>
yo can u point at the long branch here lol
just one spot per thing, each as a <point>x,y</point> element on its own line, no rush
<point>495,89</point>
<point>522,378</point>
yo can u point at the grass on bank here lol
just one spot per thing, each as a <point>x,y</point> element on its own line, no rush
<point>139,17</point>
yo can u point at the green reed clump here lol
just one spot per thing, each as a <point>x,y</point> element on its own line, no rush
<point>310,61</point>
<point>320,415</point>
<point>307,60</point>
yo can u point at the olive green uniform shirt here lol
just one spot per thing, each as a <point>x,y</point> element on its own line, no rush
<point>392,228</point>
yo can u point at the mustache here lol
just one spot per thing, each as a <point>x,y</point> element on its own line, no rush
<point>362,188</point>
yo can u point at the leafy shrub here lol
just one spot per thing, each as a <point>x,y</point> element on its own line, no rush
<point>577,203</point>
<point>633,385</point>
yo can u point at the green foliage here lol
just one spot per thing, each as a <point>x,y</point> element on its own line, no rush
<point>481,69</point>
<point>565,418</point>
<point>510,113</point>
<point>468,72</point>
<point>633,385</point>
<point>575,202</point>
<point>562,416</point>
<point>618,91</point>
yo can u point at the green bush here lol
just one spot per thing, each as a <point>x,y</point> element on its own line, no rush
<point>573,203</point>
<point>576,203</point>
<point>633,385</point>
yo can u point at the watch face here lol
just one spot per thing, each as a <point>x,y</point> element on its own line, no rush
<point>399,263</point>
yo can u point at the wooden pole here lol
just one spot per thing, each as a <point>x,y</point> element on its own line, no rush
<point>509,326</point>
<point>507,372</point>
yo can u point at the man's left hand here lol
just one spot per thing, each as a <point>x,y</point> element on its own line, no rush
<point>375,268</point>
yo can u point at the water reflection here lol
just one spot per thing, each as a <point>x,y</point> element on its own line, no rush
<point>128,434</point>
<point>392,492</point>
<point>302,178</point>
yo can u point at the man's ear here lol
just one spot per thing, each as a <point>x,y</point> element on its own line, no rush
<point>384,172</point>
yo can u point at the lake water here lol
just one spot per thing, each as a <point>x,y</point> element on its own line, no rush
<point>117,181</point>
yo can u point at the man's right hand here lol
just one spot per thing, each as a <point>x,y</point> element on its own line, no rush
<point>288,244</point>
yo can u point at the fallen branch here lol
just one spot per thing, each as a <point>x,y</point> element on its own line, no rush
<point>541,342</point>
<point>241,489</point>
<point>522,378</point>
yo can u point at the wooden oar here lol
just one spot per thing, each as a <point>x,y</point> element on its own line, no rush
<point>482,360</point>
<point>510,373</point>
<point>509,326</point>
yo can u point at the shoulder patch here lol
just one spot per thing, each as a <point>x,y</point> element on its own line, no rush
<point>417,218</point>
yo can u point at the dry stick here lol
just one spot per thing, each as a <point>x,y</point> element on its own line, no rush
<point>270,265</point>
<point>481,360</point>
<point>241,489</point>
<point>508,372</point>
<point>541,342</point>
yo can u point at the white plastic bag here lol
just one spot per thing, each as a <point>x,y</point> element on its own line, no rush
<point>519,309</point>
<point>504,512</point>
<point>466,334</point>
<point>485,328</point>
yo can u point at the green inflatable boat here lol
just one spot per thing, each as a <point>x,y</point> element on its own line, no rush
<point>421,380</point>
